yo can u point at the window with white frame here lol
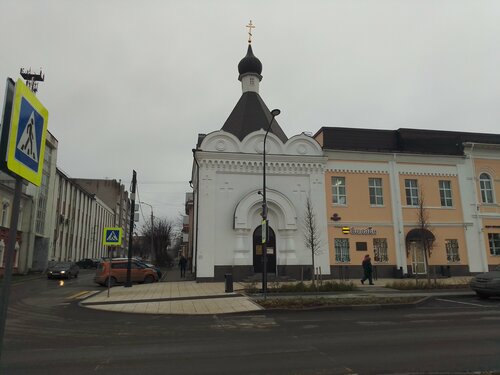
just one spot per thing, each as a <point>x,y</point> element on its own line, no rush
<point>452,251</point>
<point>486,188</point>
<point>445,193</point>
<point>411,189</point>
<point>338,191</point>
<point>380,250</point>
<point>342,250</point>
<point>375,188</point>
<point>494,240</point>
<point>5,210</point>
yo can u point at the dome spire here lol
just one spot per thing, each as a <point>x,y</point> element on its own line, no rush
<point>250,66</point>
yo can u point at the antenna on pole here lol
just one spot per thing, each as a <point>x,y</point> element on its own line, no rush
<point>32,78</point>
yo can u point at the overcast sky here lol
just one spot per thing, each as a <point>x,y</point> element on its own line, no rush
<point>130,84</point>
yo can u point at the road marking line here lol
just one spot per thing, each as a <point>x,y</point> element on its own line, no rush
<point>79,294</point>
<point>463,303</point>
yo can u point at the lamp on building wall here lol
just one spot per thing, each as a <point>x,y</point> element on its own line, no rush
<point>265,221</point>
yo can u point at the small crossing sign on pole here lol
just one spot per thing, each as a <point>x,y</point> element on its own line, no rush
<point>28,131</point>
<point>112,236</point>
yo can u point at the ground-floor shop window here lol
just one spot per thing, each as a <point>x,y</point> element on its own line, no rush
<point>380,250</point>
<point>494,240</point>
<point>342,250</point>
<point>452,251</point>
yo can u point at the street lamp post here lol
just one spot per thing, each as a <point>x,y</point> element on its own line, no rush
<point>152,226</point>
<point>265,221</point>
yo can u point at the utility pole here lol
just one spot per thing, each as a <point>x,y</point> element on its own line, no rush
<point>152,228</point>
<point>128,283</point>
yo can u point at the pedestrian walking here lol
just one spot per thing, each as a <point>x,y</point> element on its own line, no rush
<point>367,270</point>
<point>182,265</point>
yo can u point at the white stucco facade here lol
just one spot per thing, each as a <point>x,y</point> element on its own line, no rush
<point>230,206</point>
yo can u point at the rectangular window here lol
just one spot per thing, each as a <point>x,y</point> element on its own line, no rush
<point>445,193</point>
<point>380,250</point>
<point>342,250</point>
<point>452,251</point>
<point>411,189</point>
<point>338,191</point>
<point>486,188</point>
<point>375,187</point>
<point>494,240</point>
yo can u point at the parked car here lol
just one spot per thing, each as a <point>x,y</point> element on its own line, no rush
<point>156,268</point>
<point>487,284</point>
<point>86,263</point>
<point>65,270</point>
<point>140,261</point>
<point>140,273</point>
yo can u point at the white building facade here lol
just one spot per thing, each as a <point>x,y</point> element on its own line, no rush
<point>228,184</point>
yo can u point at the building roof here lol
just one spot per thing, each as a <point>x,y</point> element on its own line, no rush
<point>416,141</point>
<point>251,114</point>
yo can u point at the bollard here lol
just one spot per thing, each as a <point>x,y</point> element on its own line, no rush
<point>228,278</point>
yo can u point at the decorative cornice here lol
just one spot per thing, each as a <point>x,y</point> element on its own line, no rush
<point>254,166</point>
<point>361,171</point>
<point>435,174</point>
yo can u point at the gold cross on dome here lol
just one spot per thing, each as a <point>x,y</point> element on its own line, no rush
<point>250,27</point>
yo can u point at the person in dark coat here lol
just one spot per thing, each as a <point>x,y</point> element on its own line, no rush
<point>182,264</point>
<point>367,270</point>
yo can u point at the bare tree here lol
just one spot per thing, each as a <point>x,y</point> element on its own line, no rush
<point>162,235</point>
<point>311,233</point>
<point>426,235</point>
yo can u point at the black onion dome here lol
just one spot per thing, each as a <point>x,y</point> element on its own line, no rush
<point>250,63</point>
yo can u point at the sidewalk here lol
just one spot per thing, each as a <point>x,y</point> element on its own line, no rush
<point>192,298</point>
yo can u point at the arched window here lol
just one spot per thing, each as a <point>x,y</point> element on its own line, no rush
<point>486,188</point>
<point>5,210</point>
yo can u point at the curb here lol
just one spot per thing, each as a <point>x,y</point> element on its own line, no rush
<point>187,298</point>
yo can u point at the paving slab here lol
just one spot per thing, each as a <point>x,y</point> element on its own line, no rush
<point>189,297</point>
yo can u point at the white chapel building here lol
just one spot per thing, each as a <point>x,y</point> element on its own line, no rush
<point>227,178</point>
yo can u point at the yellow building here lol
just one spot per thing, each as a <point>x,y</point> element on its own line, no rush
<point>406,195</point>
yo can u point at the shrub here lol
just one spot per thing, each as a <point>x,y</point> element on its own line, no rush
<point>311,302</point>
<point>422,285</point>
<point>301,287</point>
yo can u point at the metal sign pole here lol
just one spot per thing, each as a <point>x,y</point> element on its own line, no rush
<point>109,270</point>
<point>7,277</point>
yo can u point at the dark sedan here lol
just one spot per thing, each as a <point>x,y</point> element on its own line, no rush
<point>63,270</point>
<point>487,284</point>
<point>87,263</point>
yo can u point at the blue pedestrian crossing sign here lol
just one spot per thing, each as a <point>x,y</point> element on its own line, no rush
<point>112,236</point>
<point>28,131</point>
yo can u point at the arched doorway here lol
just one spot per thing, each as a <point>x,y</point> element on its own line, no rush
<point>257,251</point>
<point>418,241</point>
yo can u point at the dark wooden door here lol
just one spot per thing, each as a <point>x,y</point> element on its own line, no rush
<point>257,251</point>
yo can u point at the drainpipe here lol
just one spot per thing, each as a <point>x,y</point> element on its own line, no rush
<point>197,195</point>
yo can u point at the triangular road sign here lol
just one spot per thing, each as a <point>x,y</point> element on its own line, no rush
<point>112,237</point>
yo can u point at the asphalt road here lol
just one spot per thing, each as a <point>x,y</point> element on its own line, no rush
<point>48,333</point>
